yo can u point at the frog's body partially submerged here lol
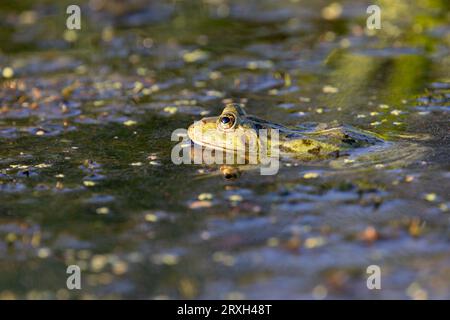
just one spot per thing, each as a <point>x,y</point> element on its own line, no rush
<point>233,129</point>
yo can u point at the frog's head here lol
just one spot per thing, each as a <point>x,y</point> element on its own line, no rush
<point>231,131</point>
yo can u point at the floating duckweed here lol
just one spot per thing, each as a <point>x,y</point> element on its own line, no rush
<point>345,43</point>
<point>194,56</point>
<point>7,72</point>
<point>43,253</point>
<point>151,217</point>
<point>98,262</point>
<point>396,112</point>
<point>146,91</point>
<point>43,165</point>
<point>188,288</point>
<point>141,71</point>
<point>332,11</point>
<point>235,198</point>
<point>108,34</point>
<point>214,75</point>
<point>99,103</point>
<point>19,166</point>
<point>170,109</point>
<point>319,110</point>
<point>397,123</point>
<point>102,210</point>
<point>360,116</point>
<point>311,175</point>
<point>205,196</point>
<point>375,123</point>
<point>265,64</point>
<point>314,242</point>
<point>129,123</point>
<point>36,239</point>
<point>374,113</point>
<point>155,88</point>
<point>430,197</point>
<point>138,86</point>
<point>70,35</point>
<point>330,89</point>
<point>88,183</point>
<point>214,93</point>
<point>383,106</point>
<point>119,267</point>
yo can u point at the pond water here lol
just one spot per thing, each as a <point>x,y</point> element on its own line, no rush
<point>86,177</point>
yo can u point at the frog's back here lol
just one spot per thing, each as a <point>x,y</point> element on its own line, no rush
<point>346,136</point>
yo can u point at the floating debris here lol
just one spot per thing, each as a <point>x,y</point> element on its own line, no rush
<point>311,175</point>
<point>129,123</point>
<point>195,56</point>
<point>7,72</point>
<point>171,109</point>
<point>102,210</point>
<point>370,234</point>
<point>235,198</point>
<point>416,227</point>
<point>314,242</point>
<point>205,196</point>
<point>151,217</point>
<point>200,204</point>
<point>88,183</point>
<point>329,89</point>
<point>332,11</point>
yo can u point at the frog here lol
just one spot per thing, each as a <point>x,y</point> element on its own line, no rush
<point>234,129</point>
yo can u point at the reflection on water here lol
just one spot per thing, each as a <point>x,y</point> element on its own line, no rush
<point>85,170</point>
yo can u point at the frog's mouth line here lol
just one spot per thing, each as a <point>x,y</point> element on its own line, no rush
<point>224,149</point>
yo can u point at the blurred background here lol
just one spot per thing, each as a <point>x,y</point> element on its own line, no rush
<point>85,171</point>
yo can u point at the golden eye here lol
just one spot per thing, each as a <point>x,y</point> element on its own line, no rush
<point>227,121</point>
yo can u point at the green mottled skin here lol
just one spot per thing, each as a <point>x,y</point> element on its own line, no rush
<point>321,141</point>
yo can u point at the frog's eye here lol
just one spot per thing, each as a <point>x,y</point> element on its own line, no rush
<point>227,121</point>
